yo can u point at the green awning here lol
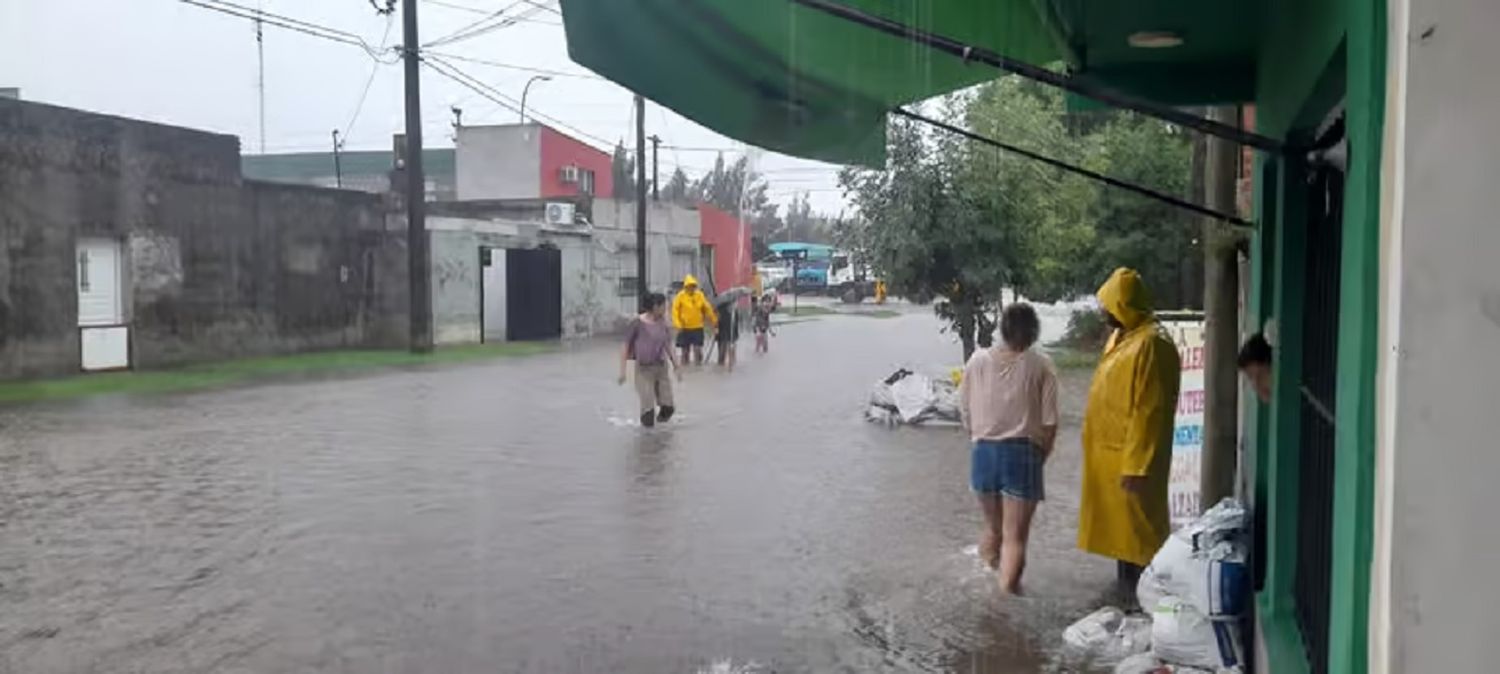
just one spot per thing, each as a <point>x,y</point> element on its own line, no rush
<point>792,79</point>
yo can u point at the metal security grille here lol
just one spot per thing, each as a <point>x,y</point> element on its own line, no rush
<point>1318,389</point>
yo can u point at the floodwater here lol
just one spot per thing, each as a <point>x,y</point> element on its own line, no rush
<point>506,516</point>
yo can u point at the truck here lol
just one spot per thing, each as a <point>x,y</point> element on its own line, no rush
<point>849,279</point>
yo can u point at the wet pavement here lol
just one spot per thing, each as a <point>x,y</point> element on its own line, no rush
<point>507,516</point>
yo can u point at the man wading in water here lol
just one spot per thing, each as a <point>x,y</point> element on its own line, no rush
<point>649,343</point>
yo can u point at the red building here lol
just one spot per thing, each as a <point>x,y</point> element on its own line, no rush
<point>726,247</point>
<point>529,161</point>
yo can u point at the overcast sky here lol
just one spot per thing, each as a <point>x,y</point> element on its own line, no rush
<point>171,62</point>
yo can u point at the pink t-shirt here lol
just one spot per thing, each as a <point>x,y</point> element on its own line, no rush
<point>1005,394</point>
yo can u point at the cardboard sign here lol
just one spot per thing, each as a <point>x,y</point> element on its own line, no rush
<point>1187,435</point>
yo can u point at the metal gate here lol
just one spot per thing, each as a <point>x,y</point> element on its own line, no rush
<point>1318,390</point>
<point>533,294</point>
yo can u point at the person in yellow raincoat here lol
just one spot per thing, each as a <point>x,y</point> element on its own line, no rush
<point>689,311</point>
<point>1127,433</point>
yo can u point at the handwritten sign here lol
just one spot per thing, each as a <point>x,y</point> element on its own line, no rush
<point>1187,435</point>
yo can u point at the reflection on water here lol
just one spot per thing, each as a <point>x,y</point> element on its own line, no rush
<point>512,516</point>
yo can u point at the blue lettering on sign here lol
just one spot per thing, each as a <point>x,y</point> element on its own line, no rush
<point>1187,435</point>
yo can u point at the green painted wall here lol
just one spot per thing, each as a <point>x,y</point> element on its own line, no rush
<point>1299,41</point>
<point>1359,304</point>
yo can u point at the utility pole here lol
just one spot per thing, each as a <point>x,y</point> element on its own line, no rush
<point>655,168</point>
<point>260,56</point>
<point>418,261</point>
<point>338,169</point>
<point>1221,321</point>
<point>640,197</point>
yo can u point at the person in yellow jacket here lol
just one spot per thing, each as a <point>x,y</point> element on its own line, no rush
<point>1127,433</point>
<point>690,310</point>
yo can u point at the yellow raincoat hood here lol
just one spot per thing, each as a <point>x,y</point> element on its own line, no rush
<point>1126,298</point>
<point>689,280</point>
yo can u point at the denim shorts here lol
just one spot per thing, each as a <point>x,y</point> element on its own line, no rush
<point>1012,467</point>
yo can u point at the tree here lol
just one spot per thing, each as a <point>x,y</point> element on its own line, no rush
<point>954,219</point>
<point>917,229</point>
<point>678,189</point>
<point>622,169</point>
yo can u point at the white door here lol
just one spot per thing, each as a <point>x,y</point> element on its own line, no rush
<point>492,295</point>
<point>105,341</point>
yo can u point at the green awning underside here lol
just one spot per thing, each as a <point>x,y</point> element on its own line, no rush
<point>791,79</point>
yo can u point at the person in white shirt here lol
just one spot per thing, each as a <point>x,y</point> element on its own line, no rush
<point>1008,401</point>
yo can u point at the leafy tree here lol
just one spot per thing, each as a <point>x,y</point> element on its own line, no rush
<point>678,189</point>
<point>957,220</point>
<point>622,169</point>
<point>917,229</point>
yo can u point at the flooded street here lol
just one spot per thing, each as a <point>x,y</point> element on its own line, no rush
<point>506,516</point>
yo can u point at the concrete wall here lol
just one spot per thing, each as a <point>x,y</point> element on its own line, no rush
<point>671,231</point>
<point>216,267</point>
<point>1433,602</point>
<point>499,162</point>
<point>456,274</point>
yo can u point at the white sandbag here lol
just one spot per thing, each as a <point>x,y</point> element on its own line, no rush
<point>1093,629</point>
<point>1141,663</point>
<point>1107,636</point>
<point>1202,563</point>
<point>1181,635</point>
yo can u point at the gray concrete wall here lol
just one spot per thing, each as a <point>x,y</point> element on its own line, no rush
<point>499,162</point>
<point>673,234</point>
<point>1433,601</point>
<point>456,273</point>
<point>216,267</point>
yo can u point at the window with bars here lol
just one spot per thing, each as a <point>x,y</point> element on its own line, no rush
<point>1318,388</point>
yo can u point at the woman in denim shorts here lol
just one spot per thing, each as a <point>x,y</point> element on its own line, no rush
<point>1009,406</point>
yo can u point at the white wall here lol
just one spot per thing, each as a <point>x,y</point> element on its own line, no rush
<point>498,162</point>
<point>1434,604</point>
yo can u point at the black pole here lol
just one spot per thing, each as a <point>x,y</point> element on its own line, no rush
<point>981,55</point>
<point>338,169</point>
<point>1095,175</point>
<point>655,168</point>
<point>640,197</point>
<point>418,261</point>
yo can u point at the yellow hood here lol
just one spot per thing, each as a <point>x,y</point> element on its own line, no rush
<point>1126,298</point>
<point>689,280</point>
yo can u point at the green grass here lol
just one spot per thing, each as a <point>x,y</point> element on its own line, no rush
<point>810,310</point>
<point>817,310</point>
<point>1067,358</point>
<point>212,375</point>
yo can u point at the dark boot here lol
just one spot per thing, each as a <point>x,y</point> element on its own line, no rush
<point>648,418</point>
<point>666,413</point>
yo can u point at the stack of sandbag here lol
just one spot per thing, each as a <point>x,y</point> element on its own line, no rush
<point>908,397</point>
<point>1196,590</point>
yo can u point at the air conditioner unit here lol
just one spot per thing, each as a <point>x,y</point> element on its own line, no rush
<point>569,174</point>
<point>560,214</point>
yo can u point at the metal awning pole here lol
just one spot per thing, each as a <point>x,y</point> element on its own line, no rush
<point>1045,76</point>
<point>1095,175</point>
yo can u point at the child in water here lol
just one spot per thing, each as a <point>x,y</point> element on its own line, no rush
<point>761,322</point>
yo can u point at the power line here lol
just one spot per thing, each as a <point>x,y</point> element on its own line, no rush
<point>390,20</point>
<point>479,27</point>
<point>456,74</point>
<point>288,23</point>
<point>512,66</point>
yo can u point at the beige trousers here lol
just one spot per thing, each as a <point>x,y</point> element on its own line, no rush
<point>653,383</point>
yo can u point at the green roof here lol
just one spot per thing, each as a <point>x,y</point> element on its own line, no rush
<point>298,167</point>
<point>789,78</point>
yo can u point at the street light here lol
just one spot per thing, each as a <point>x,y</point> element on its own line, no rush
<point>527,89</point>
